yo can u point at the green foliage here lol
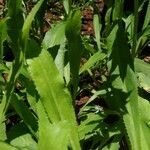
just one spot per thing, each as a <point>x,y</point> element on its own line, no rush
<point>6,146</point>
<point>67,5</point>
<point>97,29</point>
<point>25,114</point>
<point>55,36</point>
<point>61,90</point>
<point>96,58</point>
<point>24,142</point>
<point>144,122</point>
<point>53,94</point>
<point>147,19</point>
<point>75,46</point>
<point>3,34</point>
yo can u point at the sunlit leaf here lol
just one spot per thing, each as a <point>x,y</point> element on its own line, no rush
<point>54,36</point>
<point>6,146</point>
<point>147,18</point>
<point>125,86</point>
<point>24,142</point>
<point>144,109</point>
<point>97,29</point>
<point>97,57</point>
<point>53,94</point>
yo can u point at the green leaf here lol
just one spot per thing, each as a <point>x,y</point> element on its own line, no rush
<point>54,36</point>
<point>19,46</point>
<point>5,146</point>
<point>93,97</point>
<point>75,47</point>
<point>14,26</point>
<point>67,6</point>
<point>143,71</point>
<point>108,19</point>
<point>25,114</point>
<point>3,67</point>
<point>147,18</point>
<point>135,28</point>
<point>92,60</point>
<point>3,35</point>
<point>143,39</point>
<point>142,67</point>
<point>89,125</point>
<point>17,130</point>
<point>54,136</point>
<point>51,136</point>
<point>28,22</point>
<point>24,142</point>
<point>43,68</point>
<point>33,49</point>
<point>3,136</point>
<point>129,24</point>
<point>144,81</point>
<point>131,118</point>
<point>111,38</point>
<point>32,97</point>
<point>124,87</point>
<point>144,109</point>
<point>54,95</point>
<point>120,58</point>
<point>114,145</point>
<point>32,94</point>
<point>146,32</point>
<point>118,9</point>
<point>60,58</point>
<point>67,73</point>
<point>97,29</point>
<point>93,128</point>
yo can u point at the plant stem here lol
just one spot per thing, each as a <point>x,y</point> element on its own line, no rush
<point>11,83</point>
